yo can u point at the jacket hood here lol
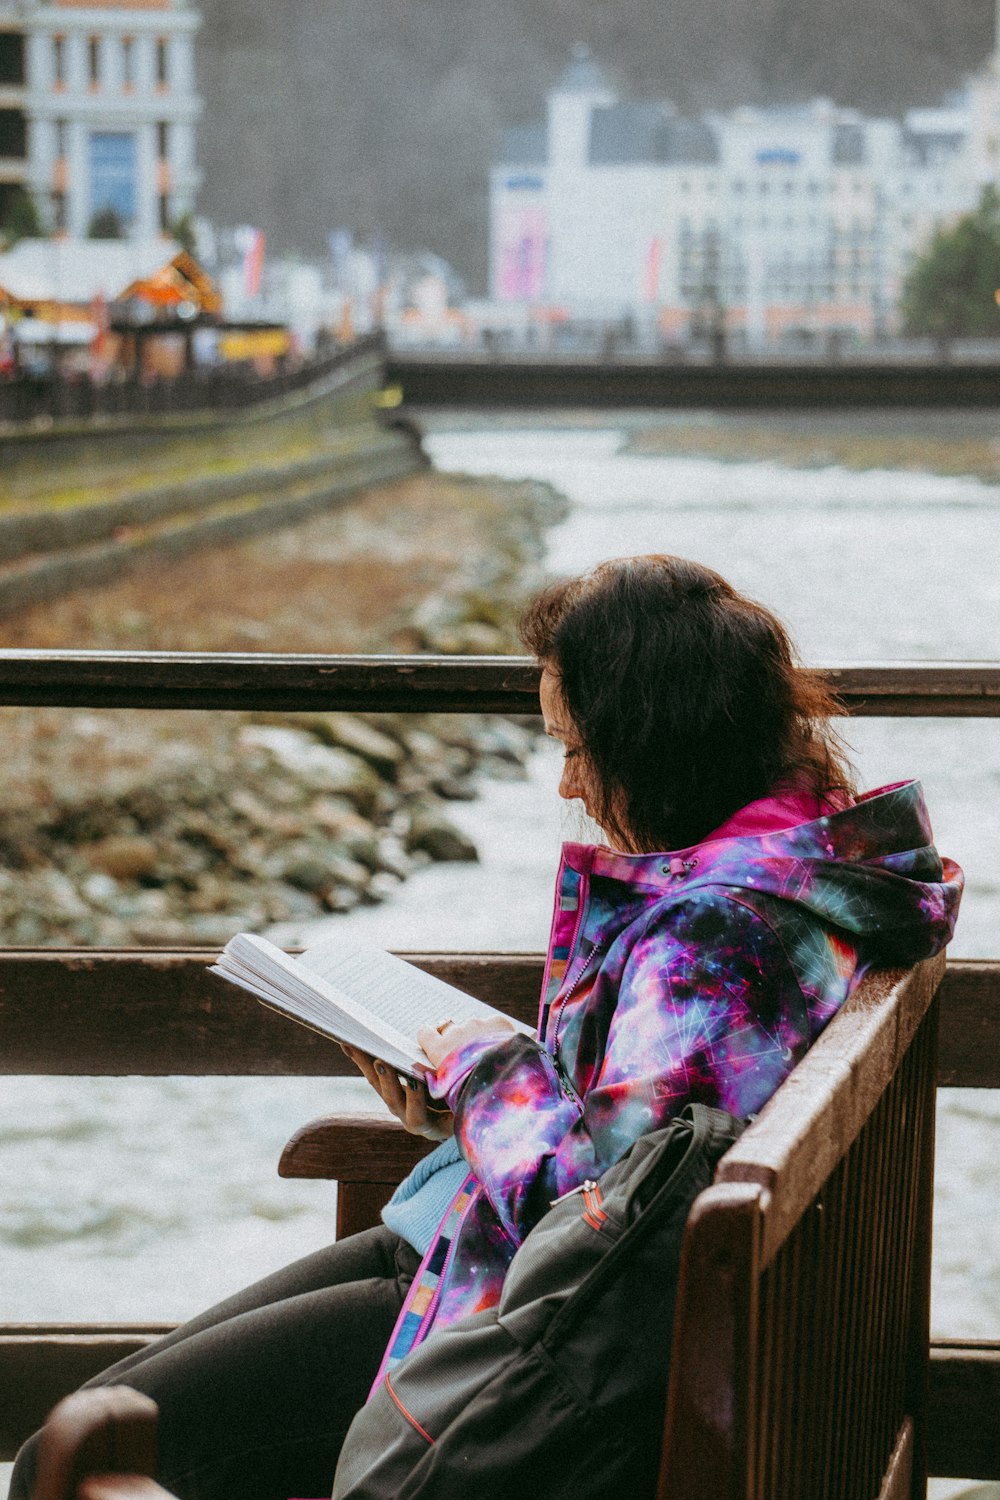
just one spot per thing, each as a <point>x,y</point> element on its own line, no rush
<point>870,870</point>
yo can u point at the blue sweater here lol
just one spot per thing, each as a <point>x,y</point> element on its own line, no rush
<point>418,1205</point>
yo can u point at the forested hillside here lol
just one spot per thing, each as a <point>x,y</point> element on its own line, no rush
<point>385,114</point>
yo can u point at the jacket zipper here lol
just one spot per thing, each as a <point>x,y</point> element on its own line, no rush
<point>565,1083</point>
<point>557,1017</point>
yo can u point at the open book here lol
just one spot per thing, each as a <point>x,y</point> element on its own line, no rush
<point>352,993</point>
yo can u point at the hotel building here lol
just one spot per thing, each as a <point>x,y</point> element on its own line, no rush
<point>796,222</point>
<point>97,111</point>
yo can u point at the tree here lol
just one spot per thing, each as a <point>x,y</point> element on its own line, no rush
<point>183,231</point>
<point>21,220</point>
<point>106,224</point>
<point>951,291</point>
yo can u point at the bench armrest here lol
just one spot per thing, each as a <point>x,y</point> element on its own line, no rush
<point>99,1445</point>
<point>368,1154</point>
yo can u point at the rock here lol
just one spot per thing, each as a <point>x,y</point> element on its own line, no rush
<point>320,768</point>
<point>352,733</point>
<point>99,890</point>
<point>285,902</point>
<point>392,856</point>
<point>502,770</point>
<point>470,639</point>
<point>382,887</point>
<point>453,789</point>
<point>505,741</point>
<point>337,815</point>
<point>433,834</point>
<point>341,898</point>
<point>62,898</point>
<point>123,858</point>
<point>166,932</point>
<point>283,824</point>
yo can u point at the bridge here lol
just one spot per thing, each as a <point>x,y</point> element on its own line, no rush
<point>483,382</point>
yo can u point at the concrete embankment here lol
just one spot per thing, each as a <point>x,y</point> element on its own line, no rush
<point>86,506</point>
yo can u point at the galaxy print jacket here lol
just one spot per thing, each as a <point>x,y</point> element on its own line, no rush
<point>699,975</point>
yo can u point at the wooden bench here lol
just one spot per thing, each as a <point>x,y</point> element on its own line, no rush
<point>800,1353</point>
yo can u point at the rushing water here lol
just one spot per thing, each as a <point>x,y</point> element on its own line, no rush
<point>143,1199</point>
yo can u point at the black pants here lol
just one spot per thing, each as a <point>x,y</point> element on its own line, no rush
<point>256,1395</point>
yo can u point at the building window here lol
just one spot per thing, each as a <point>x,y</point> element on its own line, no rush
<point>128,62</point>
<point>114,175</point>
<point>162,62</point>
<point>163,140</point>
<point>62,142</point>
<point>59,61</point>
<point>13,134</point>
<point>11,57</point>
<point>94,61</point>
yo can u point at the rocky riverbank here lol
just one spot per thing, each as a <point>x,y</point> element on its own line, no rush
<point>180,829</point>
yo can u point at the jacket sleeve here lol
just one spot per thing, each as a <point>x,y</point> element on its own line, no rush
<point>708,1009</point>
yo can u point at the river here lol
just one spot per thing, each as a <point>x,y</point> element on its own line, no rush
<point>144,1199</point>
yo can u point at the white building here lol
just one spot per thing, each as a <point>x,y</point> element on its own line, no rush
<point>98,110</point>
<point>770,223</point>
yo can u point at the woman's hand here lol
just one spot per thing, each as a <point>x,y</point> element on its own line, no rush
<point>438,1041</point>
<point>409,1102</point>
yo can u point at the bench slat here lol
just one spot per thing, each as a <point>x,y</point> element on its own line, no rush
<point>964,1429</point>
<point>39,1365</point>
<point>151,1011</point>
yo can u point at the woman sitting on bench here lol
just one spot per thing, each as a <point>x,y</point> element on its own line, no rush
<point>743,891</point>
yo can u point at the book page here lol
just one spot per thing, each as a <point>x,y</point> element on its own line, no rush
<point>402,996</point>
<point>282,981</point>
<point>352,993</point>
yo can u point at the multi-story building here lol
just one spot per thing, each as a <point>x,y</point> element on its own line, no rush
<point>97,111</point>
<point>766,223</point>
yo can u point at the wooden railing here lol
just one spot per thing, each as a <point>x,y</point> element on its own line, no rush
<point>152,1012</point>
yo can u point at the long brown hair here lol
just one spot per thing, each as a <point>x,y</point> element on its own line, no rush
<point>686,697</point>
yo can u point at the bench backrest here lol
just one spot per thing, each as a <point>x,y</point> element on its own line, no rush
<point>800,1343</point>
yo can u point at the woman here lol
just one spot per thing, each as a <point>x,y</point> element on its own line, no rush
<point>744,890</point>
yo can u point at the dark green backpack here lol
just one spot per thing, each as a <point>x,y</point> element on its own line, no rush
<point>559,1391</point>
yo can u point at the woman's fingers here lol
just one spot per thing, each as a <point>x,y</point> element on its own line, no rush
<point>423,1117</point>
<point>366,1064</point>
<point>438,1041</point>
<point>409,1101</point>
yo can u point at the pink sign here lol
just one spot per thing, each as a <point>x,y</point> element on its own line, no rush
<point>523,243</point>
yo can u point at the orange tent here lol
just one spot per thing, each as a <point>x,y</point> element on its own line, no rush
<point>180,280</point>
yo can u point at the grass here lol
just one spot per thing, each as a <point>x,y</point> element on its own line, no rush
<point>937,443</point>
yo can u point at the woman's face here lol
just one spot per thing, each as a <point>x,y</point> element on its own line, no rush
<point>574,781</point>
